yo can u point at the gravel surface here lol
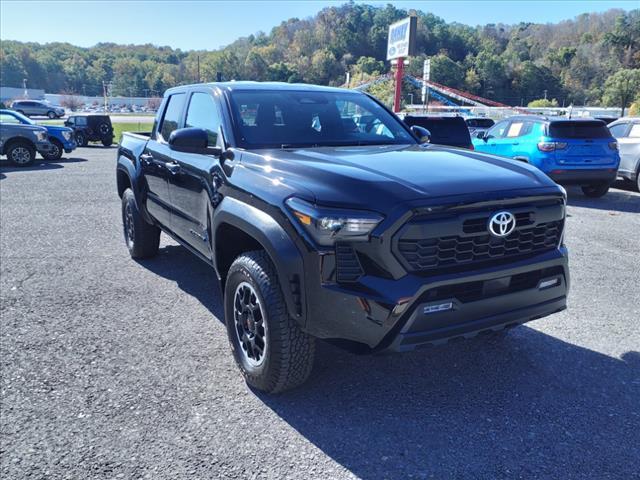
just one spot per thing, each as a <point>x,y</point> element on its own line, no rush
<point>113,368</point>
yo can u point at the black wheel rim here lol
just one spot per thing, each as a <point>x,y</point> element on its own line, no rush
<point>129,228</point>
<point>250,324</point>
<point>55,151</point>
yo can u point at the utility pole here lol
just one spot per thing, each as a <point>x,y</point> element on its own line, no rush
<point>545,94</point>
<point>24,86</point>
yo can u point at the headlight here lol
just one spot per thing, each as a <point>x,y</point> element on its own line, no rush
<point>41,136</point>
<point>328,225</point>
<point>66,135</point>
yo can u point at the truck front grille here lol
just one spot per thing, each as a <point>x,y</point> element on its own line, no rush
<point>348,268</point>
<point>466,242</point>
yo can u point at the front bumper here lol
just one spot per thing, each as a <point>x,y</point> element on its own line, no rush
<point>44,147</point>
<point>69,146</point>
<point>395,315</point>
<point>583,176</point>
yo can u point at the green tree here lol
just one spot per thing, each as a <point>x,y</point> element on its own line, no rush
<point>621,88</point>
<point>543,103</point>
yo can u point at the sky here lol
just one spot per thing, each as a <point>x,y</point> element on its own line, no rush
<point>209,25</point>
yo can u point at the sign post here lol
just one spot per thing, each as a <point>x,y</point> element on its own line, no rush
<point>426,75</point>
<point>400,44</point>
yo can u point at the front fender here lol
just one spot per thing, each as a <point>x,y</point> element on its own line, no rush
<point>277,243</point>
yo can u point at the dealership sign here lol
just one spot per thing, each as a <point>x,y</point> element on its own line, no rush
<point>402,38</point>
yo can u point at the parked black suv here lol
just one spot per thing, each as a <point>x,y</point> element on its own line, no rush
<point>451,131</point>
<point>91,128</point>
<point>324,217</point>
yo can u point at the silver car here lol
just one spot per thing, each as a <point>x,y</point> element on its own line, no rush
<point>627,132</point>
<point>37,107</point>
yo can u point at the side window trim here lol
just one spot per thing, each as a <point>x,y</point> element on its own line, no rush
<point>159,138</point>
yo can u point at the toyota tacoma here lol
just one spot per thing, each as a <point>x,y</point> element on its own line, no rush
<point>325,217</point>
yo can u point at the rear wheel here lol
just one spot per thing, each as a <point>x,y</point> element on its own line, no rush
<point>271,351</point>
<point>142,238</point>
<point>638,179</point>
<point>21,154</point>
<point>595,191</point>
<point>56,150</point>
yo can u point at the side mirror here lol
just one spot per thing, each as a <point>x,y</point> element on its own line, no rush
<point>422,134</point>
<point>67,123</point>
<point>192,140</point>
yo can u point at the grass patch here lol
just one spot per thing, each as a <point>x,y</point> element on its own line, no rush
<point>119,128</point>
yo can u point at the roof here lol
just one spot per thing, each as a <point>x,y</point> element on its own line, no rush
<point>258,86</point>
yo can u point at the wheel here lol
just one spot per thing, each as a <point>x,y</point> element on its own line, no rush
<point>142,238</point>
<point>595,191</point>
<point>56,151</point>
<point>638,179</point>
<point>107,142</point>
<point>21,154</point>
<point>81,139</point>
<point>51,115</point>
<point>271,351</point>
<point>104,129</point>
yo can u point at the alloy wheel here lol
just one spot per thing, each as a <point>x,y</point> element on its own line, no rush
<point>250,324</point>
<point>129,226</point>
<point>21,155</point>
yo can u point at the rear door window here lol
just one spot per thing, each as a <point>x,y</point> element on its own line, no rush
<point>635,131</point>
<point>619,130</point>
<point>568,129</point>
<point>172,114</point>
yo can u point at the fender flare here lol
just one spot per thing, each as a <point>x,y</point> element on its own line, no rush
<point>283,252</point>
<point>127,167</point>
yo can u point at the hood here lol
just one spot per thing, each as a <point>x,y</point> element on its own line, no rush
<point>378,177</point>
<point>55,128</point>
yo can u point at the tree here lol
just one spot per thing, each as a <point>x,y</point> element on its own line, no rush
<point>621,88</point>
<point>543,103</point>
<point>71,102</point>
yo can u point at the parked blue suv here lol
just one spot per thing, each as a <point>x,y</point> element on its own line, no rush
<point>62,138</point>
<point>570,151</point>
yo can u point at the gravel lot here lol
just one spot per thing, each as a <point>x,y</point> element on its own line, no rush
<point>119,369</point>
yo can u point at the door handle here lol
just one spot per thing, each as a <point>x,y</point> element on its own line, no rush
<point>516,143</point>
<point>173,167</point>
<point>146,158</point>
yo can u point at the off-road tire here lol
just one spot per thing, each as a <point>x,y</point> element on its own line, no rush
<point>107,142</point>
<point>595,191</point>
<point>289,354</point>
<point>56,153</point>
<point>81,139</point>
<point>21,154</point>
<point>143,240</point>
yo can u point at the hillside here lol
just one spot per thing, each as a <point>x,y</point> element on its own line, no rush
<point>510,63</point>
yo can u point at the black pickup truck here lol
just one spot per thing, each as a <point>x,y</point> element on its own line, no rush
<point>325,217</point>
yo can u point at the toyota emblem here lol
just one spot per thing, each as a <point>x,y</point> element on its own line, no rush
<point>502,224</point>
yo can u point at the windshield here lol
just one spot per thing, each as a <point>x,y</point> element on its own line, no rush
<point>17,118</point>
<point>295,119</point>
